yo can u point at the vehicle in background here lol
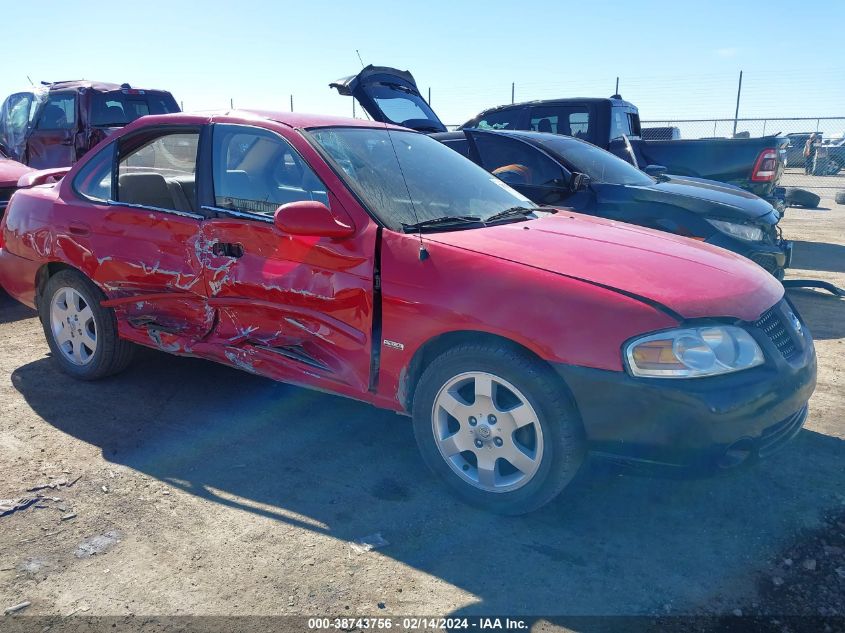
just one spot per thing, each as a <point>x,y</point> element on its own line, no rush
<point>54,124</point>
<point>373,262</point>
<point>753,164</point>
<point>794,156</point>
<point>830,157</point>
<point>10,173</point>
<point>551,169</point>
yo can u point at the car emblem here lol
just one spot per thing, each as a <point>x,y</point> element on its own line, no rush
<point>484,431</point>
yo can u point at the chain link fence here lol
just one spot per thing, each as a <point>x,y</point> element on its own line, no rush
<point>822,172</point>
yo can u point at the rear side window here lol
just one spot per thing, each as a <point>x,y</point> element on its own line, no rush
<point>94,180</point>
<point>499,120</point>
<point>115,109</point>
<point>568,120</point>
<point>256,171</point>
<point>58,113</point>
<point>160,173</point>
<point>624,123</point>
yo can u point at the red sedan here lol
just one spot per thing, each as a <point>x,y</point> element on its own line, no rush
<point>374,262</point>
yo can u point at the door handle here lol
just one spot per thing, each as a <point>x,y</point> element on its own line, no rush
<point>78,228</point>
<point>67,141</point>
<point>227,249</point>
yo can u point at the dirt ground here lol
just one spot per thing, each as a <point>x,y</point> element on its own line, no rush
<point>185,487</point>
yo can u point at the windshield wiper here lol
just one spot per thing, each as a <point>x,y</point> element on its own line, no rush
<point>448,220</point>
<point>511,212</point>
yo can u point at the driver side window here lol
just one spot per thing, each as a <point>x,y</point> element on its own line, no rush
<point>256,171</point>
<point>516,162</point>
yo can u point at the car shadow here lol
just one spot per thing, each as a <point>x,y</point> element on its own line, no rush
<point>11,310</point>
<point>823,312</point>
<point>345,469</point>
<point>818,256</point>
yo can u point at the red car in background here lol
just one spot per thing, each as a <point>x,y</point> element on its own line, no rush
<point>373,262</point>
<point>10,172</point>
<point>54,124</point>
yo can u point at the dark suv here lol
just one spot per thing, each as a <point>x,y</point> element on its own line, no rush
<point>54,124</point>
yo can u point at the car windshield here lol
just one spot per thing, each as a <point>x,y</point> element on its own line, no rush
<point>599,165</point>
<point>406,178</point>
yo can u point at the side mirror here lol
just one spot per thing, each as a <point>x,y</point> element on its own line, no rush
<point>312,218</point>
<point>578,181</point>
<point>655,171</point>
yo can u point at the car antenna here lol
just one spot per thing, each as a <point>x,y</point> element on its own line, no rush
<point>359,58</point>
<point>31,83</point>
<point>423,251</point>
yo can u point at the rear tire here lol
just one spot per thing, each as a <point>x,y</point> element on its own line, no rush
<point>497,427</point>
<point>801,197</point>
<point>82,335</point>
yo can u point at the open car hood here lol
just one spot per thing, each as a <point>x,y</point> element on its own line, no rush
<point>690,278</point>
<point>390,96</point>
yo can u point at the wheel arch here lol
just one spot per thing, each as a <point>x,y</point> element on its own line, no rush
<point>42,276</point>
<point>440,343</point>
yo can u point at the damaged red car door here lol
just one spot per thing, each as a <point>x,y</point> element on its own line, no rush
<point>144,217</point>
<point>296,307</point>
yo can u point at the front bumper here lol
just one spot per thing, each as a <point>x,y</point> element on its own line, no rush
<point>699,423</point>
<point>771,257</point>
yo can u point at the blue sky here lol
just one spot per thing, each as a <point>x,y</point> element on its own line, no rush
<point>674,59</point>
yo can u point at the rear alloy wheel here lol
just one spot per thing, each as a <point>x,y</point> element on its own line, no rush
<point>73,327</point>
<point>497,426</point>
<point>82,334</point>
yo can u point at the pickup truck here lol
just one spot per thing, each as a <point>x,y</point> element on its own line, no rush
<point>754,164</point>
<point>54,124</point>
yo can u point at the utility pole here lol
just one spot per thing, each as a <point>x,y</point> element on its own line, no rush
<point>513,91</point>
<point>738,93</point>
<point>353,109</point>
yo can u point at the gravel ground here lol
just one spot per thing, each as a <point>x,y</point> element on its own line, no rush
<point>182,487</point>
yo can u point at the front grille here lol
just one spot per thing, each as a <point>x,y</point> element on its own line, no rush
<point>772,322</point>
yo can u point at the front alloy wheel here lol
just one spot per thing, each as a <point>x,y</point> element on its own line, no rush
<point>487,431</point>
<point>498,426</point>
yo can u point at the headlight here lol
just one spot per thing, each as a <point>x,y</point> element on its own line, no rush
<point>742,231</point>
<point>693,352</point>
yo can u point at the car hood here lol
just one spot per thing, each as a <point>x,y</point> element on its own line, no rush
<point>690,278</point>
<point>706,197</point>
<point>11,171</point>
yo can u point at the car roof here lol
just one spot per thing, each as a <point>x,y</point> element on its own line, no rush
<point>567,101</point>
<point>97,86</point>
<point>290,119</point>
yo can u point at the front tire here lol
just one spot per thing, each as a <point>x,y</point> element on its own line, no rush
<point>82,335</point>
<point>497,427</point>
